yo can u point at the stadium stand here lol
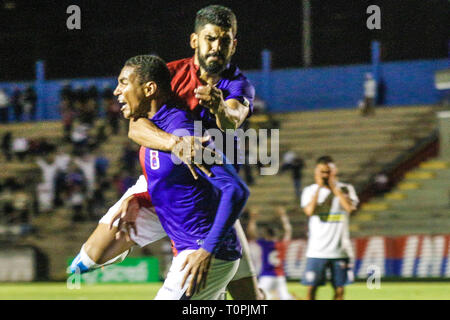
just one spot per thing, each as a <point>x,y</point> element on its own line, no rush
<point>361,147</point>
<point>419,204</point>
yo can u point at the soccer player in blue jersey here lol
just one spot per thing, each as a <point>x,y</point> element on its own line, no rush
<point>197,214</point>
<point>214,91</point>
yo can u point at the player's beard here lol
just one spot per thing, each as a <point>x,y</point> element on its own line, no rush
<point>213,67</point>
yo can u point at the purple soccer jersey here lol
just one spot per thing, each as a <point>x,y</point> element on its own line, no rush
<point>273,255</point>
<point>194,213</point>
<point>233,84</point>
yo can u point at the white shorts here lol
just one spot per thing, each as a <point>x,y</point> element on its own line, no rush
<point>274,285</point>
<point>220,274</point>
<point>148,227</point>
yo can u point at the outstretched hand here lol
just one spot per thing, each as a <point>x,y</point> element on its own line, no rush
<point>188,149</point>
<point>197,264</point>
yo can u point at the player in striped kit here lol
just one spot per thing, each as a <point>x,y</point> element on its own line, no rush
<point>272,278</point>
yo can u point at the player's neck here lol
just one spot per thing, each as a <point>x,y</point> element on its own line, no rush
<point>155,105</point>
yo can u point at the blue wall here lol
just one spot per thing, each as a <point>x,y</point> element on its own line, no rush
<point>406,83</point>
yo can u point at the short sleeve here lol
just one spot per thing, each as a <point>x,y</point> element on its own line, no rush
<point>306,197</point>
<point>352,194</point>
<point>243,91</point>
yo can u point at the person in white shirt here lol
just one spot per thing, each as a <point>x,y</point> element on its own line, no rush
<point>370,94</point>
<point>4,106</point>
<point>328,203</point>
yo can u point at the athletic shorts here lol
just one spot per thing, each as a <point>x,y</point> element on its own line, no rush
<point>221,272</point>
<point>149,229</point>
<point>274,284</point>
<point>316,268</point>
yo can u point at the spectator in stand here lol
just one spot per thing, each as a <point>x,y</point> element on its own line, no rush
<point>68,115</point>
<point>17,104</point>
<point>76,191</point>
<point>291,161</point>
<point>92,107</point>
<point>112,108</point>
<point>97,202</point>
<point>129,157</point>
<point>21,205</point>
<point>80,138</point>
<point>101,165</point>
<point>381,183</point>
<point>20,148</point>
<point>29,103</point>
<point>86,163</point>
<point>7,201</point>
<point>66,92</point>
<point>7,145</point>
<point>4,107</point>
<point>370,95</point>
<point>40,146</point>
<point>46,189</point>
<point>100,136</point>
<point>62,161</point>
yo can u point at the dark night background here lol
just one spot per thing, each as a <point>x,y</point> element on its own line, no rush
<point>111,32</point>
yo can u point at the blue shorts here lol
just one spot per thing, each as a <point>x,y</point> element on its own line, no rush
<point>315,272</point>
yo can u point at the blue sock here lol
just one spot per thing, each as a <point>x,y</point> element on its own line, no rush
<point>83,263</point>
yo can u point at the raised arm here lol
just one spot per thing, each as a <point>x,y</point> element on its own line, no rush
<point>230,114</point>
<point>343,197</point>
<point>311,207</point>
<point>287,227</point>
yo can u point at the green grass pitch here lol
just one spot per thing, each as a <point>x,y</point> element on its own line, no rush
<point>356,291</point>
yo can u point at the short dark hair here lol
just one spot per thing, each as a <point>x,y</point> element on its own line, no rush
<point>151,68</point>
<point>324,160</point>
<point>217,15</point>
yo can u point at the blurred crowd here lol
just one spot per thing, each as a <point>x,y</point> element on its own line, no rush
<point>75,171</point>
<point>18,105</point>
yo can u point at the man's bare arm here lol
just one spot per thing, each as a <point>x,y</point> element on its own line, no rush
<point>287,227</point>
<point>312,205</point>
<point>344,200</point>
<point>147,134</point>
<point>231,114</point>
